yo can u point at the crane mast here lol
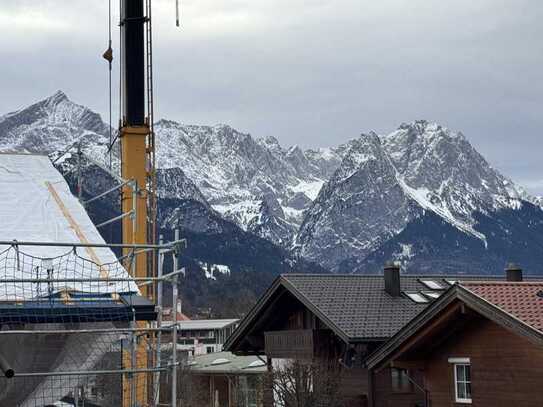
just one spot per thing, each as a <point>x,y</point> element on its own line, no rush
<point>135,130</point>
<point>137,146</point>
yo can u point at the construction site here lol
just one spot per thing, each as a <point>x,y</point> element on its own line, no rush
<point>81,318</point>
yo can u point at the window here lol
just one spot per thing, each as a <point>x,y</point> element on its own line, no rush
<point>417,297</point>
<point>462,379</point>
<point>400,381</point>
<point>432,294</point>
<point>248,396</point>
<point>210,349</point>
<point>434,285</point>
<point>220,361</point>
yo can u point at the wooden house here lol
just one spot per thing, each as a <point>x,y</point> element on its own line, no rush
<point>343,319</point>
<point>480,344</point>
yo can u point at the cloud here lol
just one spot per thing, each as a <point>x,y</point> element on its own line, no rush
<point>311,72</point>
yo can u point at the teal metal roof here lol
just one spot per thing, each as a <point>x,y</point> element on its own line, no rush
<point>227,363</point>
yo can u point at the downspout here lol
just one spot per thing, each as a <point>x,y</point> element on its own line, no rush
<point>371,397</point>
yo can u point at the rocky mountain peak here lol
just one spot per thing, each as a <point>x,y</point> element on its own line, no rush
<point>56,98</point>
<point>362,151</point>
<point>165,123</point>
<point>50,125</point>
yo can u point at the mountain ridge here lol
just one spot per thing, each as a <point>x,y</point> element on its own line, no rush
<point>341,207</point>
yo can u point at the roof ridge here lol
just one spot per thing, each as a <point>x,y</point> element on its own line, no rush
<point>359,275</point>
<point>533,282</point>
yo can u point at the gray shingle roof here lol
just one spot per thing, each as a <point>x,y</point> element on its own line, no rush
<point>355,306</point>
<point>359,306</point>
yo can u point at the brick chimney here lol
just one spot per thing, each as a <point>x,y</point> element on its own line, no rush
<point>392,278</point>
<point>513,272</point>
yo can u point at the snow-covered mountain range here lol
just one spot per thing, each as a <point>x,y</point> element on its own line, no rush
<point>385,182</point>
<point>256,183</point>
<point>347,208</point>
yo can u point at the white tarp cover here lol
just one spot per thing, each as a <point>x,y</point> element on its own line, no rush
<point>30,211</point>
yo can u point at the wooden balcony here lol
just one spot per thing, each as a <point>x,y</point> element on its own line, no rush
<point>291,344</point>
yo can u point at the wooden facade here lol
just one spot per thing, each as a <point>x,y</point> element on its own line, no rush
<point>506,369</point>
<point>297,333</point>
<point>406,347</point>
<point>464,350</point>
<point>385,395</point>
<point>291,344</point>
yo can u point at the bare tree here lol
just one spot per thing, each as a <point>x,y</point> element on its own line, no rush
<point>299,383</point>
<point>247,390</point>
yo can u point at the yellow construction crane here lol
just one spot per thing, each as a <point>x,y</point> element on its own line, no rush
<point>137,164</point>
<point>137,152</point>
<point>135,133</point>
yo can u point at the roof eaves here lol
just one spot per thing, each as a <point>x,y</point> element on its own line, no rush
<point>499,315</point>
<point>246,321</point>
<point>472,300</point>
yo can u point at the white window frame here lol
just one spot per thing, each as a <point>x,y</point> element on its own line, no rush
<point>460,362</point>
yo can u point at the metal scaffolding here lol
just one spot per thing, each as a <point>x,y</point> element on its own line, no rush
<point>62,325</point>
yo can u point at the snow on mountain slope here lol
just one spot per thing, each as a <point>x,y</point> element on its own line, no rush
<point>337,206</point>
<point>358,209</point>
<point>385,182</point>
<point>51,125</point>
<point>246,180</point>
<point>242,178</point>
<point>444,173</point>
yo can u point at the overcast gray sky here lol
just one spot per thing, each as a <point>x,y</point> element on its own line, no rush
<point>309,72</point>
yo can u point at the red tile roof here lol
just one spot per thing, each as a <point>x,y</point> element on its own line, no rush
<point>519,299</point>
<point>167,315</point>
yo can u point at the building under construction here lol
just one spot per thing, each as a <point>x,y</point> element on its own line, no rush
<point>78,324</point>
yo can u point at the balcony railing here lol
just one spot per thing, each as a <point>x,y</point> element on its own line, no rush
<point>291,344</point>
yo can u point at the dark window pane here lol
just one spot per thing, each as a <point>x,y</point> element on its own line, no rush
<point>461,390</point>
<point>400,381</point>
<point>460,373</point>
<point>468,390</point>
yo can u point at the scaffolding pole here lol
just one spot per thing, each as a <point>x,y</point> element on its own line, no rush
<point>174,322</point>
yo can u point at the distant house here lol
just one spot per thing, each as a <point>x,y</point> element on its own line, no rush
<point>226,380</point>
<point>343,319</point>
<point>203,336</point>
<point>167,315</point>
<point>480,343</point>
<point>200,336</point>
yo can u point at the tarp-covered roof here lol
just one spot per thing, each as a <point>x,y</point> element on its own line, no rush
<point>36,205</point>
